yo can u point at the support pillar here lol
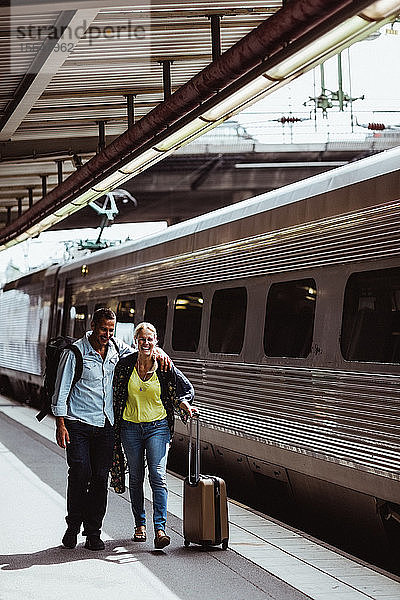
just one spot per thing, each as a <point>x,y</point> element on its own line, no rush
<point>19,200</point>
<point>59,171</point>
<point>44,185</point>
<point>102,136</point>
<point>166,65</point>
<point>340,82</point>
<point>215,36</point>
<point>8,215</point>
<point>130,107</point>
<point>77,161</point>
<point>30,196</point>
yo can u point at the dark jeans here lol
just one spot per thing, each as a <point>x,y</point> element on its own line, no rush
<point>89,457</point>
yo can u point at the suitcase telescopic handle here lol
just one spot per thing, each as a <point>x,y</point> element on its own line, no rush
<point>194,477</point>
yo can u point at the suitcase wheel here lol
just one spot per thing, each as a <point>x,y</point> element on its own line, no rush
<point>224,544</point>
<point>186,543</point>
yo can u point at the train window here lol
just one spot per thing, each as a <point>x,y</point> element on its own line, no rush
<point>111,304</point>
<point>155,312</point>
<point>125,321</point>
<point>187,321</point>
<point>126,311</point>
<point>289,319</point>
<point>371,317</point>
<point>227,321</point>
<point>79,314</point>
<point>101,305</point>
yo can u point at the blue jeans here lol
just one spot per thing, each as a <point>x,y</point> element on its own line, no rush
<point>153,439</point>
<point>89,458</point>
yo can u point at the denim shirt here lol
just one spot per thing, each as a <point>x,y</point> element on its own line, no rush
<point>91,399</point>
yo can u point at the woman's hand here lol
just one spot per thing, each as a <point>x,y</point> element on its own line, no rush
<point>165,361</point>
<point>191,410</point>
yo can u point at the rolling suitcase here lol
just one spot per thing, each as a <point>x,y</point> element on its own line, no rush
<point>205,506</point>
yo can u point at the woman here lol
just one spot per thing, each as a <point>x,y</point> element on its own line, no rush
<point>144,402</point>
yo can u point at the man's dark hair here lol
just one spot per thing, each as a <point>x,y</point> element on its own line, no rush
<point>103,313</point>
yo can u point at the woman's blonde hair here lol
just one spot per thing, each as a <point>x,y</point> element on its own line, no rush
<point>141,326</point>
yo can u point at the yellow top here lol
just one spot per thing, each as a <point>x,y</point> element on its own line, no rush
<point>144,400</point>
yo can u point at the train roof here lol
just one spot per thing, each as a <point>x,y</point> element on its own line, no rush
<point>355,172</point>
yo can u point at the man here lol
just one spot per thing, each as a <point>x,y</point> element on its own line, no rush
<point>84,426</point>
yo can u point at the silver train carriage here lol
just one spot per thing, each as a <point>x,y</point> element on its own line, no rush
<point>284,311</point>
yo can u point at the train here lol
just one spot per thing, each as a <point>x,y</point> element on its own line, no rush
<point>284,312</point>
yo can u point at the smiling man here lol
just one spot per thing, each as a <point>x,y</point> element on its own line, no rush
<point>84,426</point>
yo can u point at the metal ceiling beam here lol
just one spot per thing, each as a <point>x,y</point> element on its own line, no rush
<point>49,148</point>
<point>21,190</point>
<point>51,110</point>
<point>292,28</point>
<point>156,58</point>
<point>59,123</point>
<point>202,11</point>
<point>99,92</point>
<point>26,178</point>
<point>43,68</point>
<point>24,7</point>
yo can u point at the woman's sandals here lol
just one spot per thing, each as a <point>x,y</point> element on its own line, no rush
<point>161,540</point>
<point>140,534</point>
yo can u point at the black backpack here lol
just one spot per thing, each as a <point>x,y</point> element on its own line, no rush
<point>54,349</point>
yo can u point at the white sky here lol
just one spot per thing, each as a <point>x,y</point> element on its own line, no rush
<point>374,73</point>
<point>374,69</point>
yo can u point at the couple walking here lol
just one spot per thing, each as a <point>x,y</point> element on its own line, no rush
<point>124,403</point>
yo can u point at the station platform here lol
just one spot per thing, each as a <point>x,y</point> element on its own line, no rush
<point>265,559</point>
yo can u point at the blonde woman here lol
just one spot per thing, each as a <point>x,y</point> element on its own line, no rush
<point>145,399</point>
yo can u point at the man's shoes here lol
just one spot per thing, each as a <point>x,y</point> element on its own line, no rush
<point>161,540</point>
<point>70,538</point>
<point>93,542</point>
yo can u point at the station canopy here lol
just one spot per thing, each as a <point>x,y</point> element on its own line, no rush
<point>94,93</point>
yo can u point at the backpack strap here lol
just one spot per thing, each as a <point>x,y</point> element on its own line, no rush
<point>78,365</point>
<point>116,346</point>
<point>77,375</point>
